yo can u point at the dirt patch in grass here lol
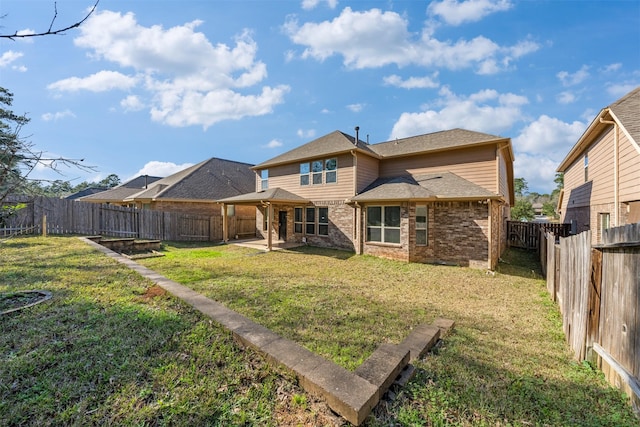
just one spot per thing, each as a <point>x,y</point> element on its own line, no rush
<point>153,292</point>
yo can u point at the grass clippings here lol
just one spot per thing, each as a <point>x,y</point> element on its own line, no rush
<point>111,348</point>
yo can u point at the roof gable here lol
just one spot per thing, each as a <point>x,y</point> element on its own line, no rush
<point>331,144</point>
<point>627,111</point>
<point>624,111</point>
<point>209,180</point>
<point>436,141</point>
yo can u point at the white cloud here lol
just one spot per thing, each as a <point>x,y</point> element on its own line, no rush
<point>274,143</point>
<point>566,97</point>
<point>620,89</point>
<point>568,79</point>
<point>9,56</point>
<point>162,169</point>
<point>429,82</point>
<point>483,111</point>
<point>47,117</point>
<point>548,136</point>
<point>538,170</point>
<point>374,38</point>
<point>356,108</point>
<point>612,67</point>
<point>188,80</point>
<point>101,81</point>
<point>311,4</point>
<point>306,134</point>
<point>455,12</point>
<point>132,103</point>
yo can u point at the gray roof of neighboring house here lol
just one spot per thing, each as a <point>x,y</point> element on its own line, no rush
<point>273,195</point>
<point>627,110</point>
<point>331,144</point>
<point>209,180</point>
<point>86,192</point>
<point>434,186</point>
<point>122,191</point>
<point>436,141</point>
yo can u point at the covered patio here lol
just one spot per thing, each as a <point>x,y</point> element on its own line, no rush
<point>267,199</point>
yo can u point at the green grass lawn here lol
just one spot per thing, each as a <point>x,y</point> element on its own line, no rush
<point>110,348</point>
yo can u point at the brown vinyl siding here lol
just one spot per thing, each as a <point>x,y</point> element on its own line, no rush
<point>367,171</point>
<point>288,177</point>
<point>476,164</point>
<point>629,177</point>
<point>601,166</point>
<point>503,184</point>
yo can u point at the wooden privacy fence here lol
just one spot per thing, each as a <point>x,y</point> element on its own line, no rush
<point>598,291</point>
<point>63,216</point>
<point>526,235</point>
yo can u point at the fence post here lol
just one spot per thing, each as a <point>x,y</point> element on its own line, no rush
<point>44,226</point>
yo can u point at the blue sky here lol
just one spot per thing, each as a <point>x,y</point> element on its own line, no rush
<point>154,86</point>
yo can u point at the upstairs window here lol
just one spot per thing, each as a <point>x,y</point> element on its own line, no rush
<point>264,179</point>
<point>304,173</point>
<point>586,167</point>
<point>316,171</point>
<point>319,172</point>
<point>331,170</point>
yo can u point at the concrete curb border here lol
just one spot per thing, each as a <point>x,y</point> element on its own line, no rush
<point>353,395</point>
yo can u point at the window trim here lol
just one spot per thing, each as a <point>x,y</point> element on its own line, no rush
<point>383,227</point>
<point>264,179</point>
<point>297,223</point>
<point>319,175</point>
<point>422,228</point>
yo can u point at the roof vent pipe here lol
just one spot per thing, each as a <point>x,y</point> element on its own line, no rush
<point>357,137</point>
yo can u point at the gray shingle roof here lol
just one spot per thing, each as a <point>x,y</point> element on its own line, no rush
<point>274,195</point>
<point>436,141</point>
<point>122,191</point>
<point>209,180</point>
<point>435,186</point>
<point>331,144</point>
<point>627,110</point>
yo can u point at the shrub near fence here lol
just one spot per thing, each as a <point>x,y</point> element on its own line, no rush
<point>65,216</point>
<point>598,292</point>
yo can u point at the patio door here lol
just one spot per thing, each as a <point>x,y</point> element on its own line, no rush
<point>282,225</point>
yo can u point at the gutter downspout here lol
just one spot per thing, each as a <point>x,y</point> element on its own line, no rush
<point>357,232</point>
<point>225,224</point>
<point>616,169</point>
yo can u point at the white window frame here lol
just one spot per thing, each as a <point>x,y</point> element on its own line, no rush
<point>422,227</point>
<point>384,226</point>
<point>264,179</point>
<point>305,172</point>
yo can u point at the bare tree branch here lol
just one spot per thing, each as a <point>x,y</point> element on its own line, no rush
<point>51,31</point>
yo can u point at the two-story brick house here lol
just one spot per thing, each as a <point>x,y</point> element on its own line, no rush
<point>443,197</point>
<point>602,171</point>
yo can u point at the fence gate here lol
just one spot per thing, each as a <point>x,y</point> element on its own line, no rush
<point>526,235</point>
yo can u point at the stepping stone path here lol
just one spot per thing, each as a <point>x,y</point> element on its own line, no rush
<point>353,395</point>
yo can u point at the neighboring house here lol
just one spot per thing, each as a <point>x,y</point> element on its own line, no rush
<point>86,192</point>
<point>118,194</point>
<point>194,191</point>
<point>443,197</point>
<point>602,171</point>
